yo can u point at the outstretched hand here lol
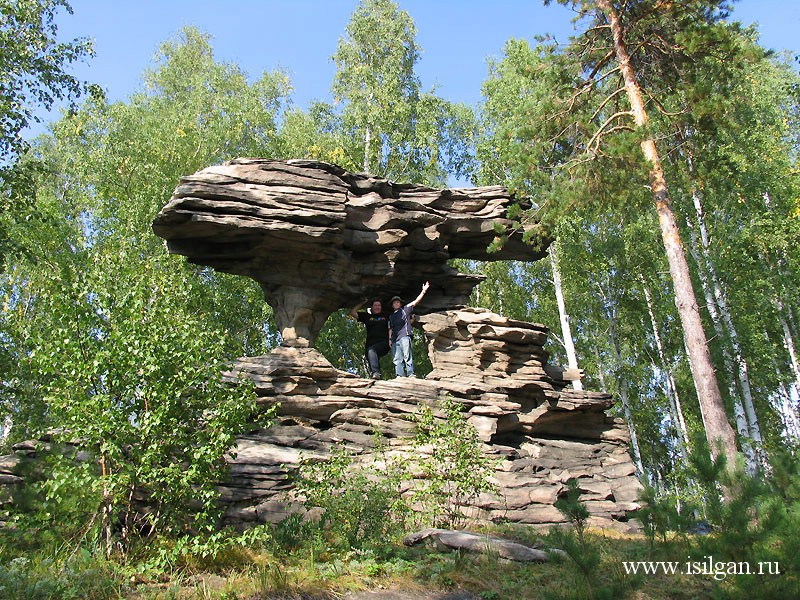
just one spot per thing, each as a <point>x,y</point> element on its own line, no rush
<point>425,287</point>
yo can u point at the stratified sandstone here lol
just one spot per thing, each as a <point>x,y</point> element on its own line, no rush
<point>496,368</point>
<point>317,238</point>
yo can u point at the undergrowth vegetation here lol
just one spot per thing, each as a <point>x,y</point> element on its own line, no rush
<point>739,539</point>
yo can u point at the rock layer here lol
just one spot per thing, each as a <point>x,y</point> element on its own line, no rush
<point>318,238</point>
<point>496,368</point>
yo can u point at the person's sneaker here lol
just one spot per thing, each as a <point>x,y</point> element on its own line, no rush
<point>376,375</point>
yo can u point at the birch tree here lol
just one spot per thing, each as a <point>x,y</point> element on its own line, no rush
<point>566,329</point>
<point>739,238</point>
<point>109,338</point>
<point>400,132</point>
<point>34,68</point>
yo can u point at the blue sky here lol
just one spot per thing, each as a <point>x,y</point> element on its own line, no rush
<point>300,36</point>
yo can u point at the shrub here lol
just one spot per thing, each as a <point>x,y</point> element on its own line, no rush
<point>453,467</point>
<point>362,503</point>
<point>82,576</point>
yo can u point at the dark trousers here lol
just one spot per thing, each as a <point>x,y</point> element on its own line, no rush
<point>374,353</point>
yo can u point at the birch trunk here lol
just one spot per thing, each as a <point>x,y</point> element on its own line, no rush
<point>788,342</point>
<point>721,297</point>
<point>672,388</point>
<point>718,430</point>
<point>786,406</point>
<point>367,142</point>
<point>566,330</point>
<point>105,511</point>
<point>785,314</point>
<point>601,375</point>
<point>739,415</point>
<point>5,428</point>
<point>623,391</point>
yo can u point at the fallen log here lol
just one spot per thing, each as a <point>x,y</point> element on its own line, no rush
<point>487,544</point>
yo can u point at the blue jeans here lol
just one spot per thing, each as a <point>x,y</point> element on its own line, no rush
<point>403,361</point>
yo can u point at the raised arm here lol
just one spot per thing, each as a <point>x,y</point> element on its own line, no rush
<point>354,310</point>
<point>425,287</point>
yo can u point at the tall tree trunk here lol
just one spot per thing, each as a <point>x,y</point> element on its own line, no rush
<point>601,375</point>
<point>739,415</point>
<point>788,342</point>
<point>5,427</point>
<point>785,315</point>
<point>721,298</point>
<point>566,330</point>
<point>719,433</point>
<point>786,406</point>
<point>622,381</point>
<point>672,388</point>
<point>105,510</point>
<point>367,142</point>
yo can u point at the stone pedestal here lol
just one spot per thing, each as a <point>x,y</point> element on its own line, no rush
<point>496,368</point>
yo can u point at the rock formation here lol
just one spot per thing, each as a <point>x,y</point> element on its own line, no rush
<point>542,434</point>
<point>317,238</point>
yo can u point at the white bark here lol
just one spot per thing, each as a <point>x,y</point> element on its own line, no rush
<point>786,318</point>
<point>672,388</point>
<point>788,342</point>
<point>721,298</point>
<point>566,330</point>
<point>5,427</point>
<point>785,401</point>
<point>367,142</point>
<point>623,390</point>
<point>742,426</point>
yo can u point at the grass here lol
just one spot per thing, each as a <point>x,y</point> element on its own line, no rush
<point>310,573</point>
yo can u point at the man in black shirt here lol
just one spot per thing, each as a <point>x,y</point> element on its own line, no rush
<point>377,325</point>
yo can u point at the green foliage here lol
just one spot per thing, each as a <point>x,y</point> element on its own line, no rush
<point>749,522</point>
<point>362,502</point>
<point>365,504</point>
<point>585,553</point>
<point>391,128</point>
<point>728,133</point>
<point>754,522</point>
<point>341,341</point>
<point>107,340</point>
<point>33,77</point>
<point>451,463</point>
<point>33,68</point>
<point>80,576</point>
<point>138,381</point>
<point>297,532</point>
<point>569,505</point>
<point>50,510</point>
<point>211,549</point>
<point>657,516</point>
